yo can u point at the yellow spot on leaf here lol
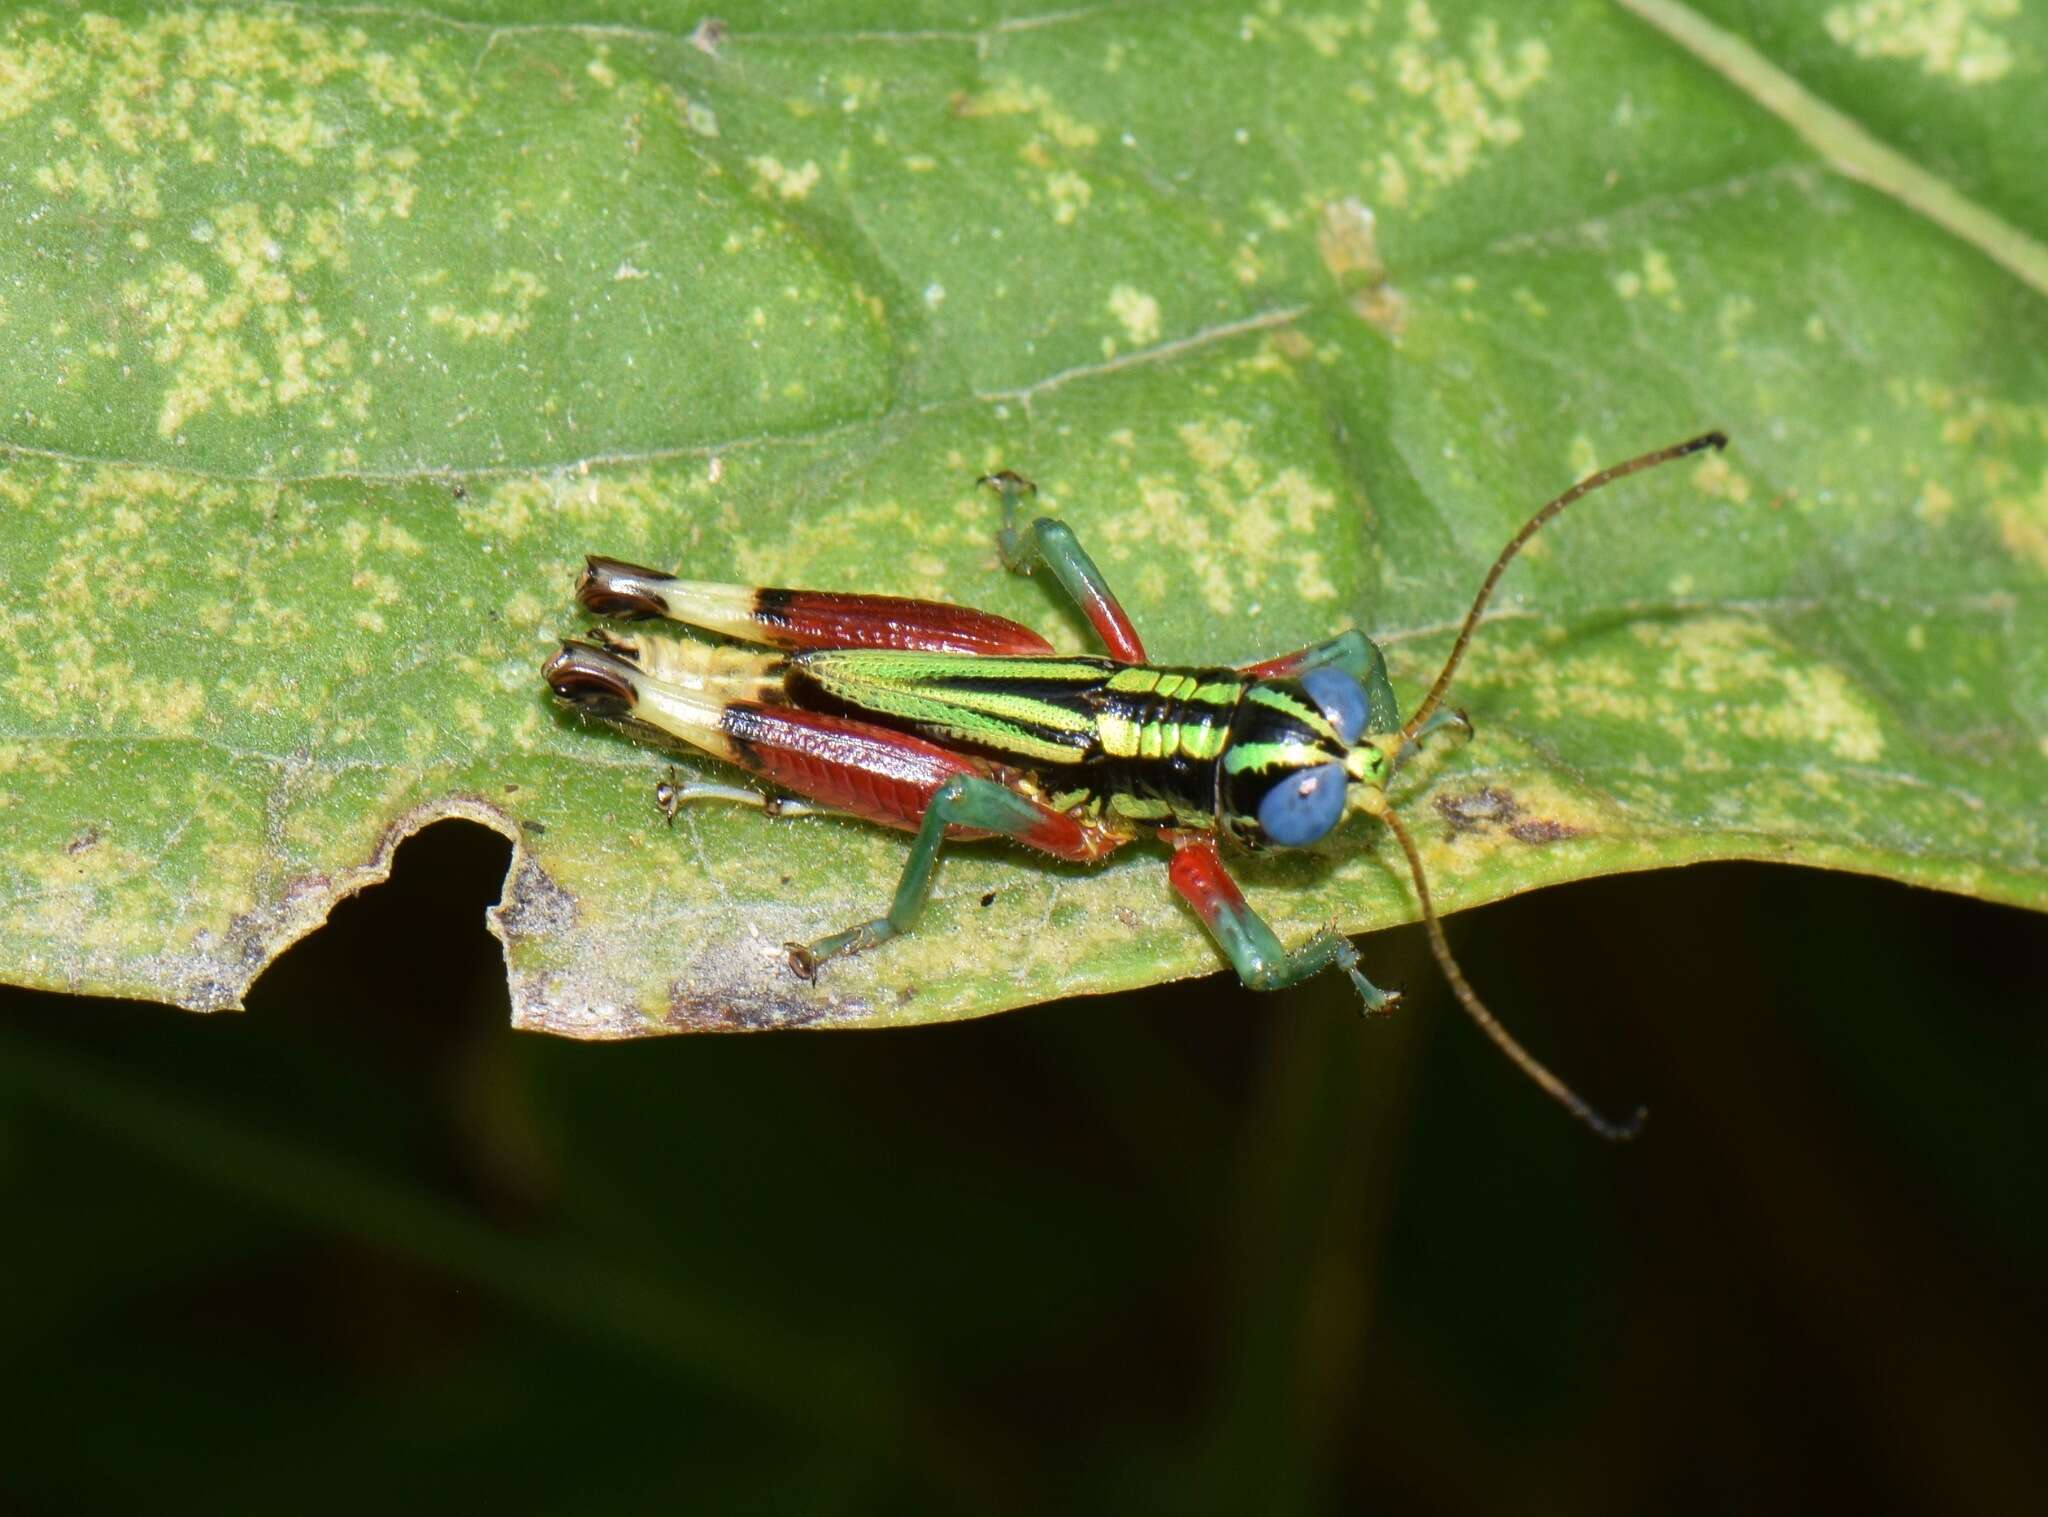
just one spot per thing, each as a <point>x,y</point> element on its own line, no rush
<point>499,323</point>
<point>1138,313</point>
<point>1311,581</point>
<point>1715,476</point>
<point>234,334</point>
<point>1761,691</point>
<point>1951,39</point>
<point>2023,525</point>
<point>1657,276</point>
<point>1014,99</point>
<point>1326,35</point>
<point>1347,243</point>
<point>470,713</point>
<point>1382,306</point>
<point>1249,530</point>
<point>1935,503</point>
<point>1070,195</point>
<point>774,177</point>
<point>700,118</point>
<point>1461,98</point>
<point>378,589</point>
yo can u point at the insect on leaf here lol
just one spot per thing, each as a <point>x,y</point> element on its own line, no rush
<point>337,339</point>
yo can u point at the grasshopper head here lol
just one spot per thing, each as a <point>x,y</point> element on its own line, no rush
<point>1298,757</point>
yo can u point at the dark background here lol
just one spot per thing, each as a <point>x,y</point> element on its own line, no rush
<point>1188,1250</point>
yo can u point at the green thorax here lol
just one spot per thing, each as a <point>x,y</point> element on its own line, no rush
<point>1080,722</point>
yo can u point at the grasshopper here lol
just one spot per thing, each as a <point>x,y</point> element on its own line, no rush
<point>955,724</point>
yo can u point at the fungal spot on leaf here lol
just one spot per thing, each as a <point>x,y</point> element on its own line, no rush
<point>1540,830</point>
<point>1383,306</point>
<point>1494,810</point>
<point>707,36</point>
<point>1478,811</point>
<point>1347,243</point>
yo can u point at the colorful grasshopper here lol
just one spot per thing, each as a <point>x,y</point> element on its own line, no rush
<point>955,724</point>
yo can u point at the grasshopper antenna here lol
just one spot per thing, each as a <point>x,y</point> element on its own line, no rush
<point>1534,524</point>
<point>1556,1089</point>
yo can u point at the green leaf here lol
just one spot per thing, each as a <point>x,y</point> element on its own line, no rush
<point>338,336</point>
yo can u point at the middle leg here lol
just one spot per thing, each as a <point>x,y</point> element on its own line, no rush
<point>978,807</point>
<point>1054,542</point>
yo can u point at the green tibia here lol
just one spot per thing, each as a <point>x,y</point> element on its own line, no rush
<point>1054,542</point>
<point>963,801</point>
<point>1263,964</point>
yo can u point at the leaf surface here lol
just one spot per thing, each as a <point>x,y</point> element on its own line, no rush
<point>339,335</point>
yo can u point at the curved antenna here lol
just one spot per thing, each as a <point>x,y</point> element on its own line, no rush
<point>1556,1089</point>
<point>1530,528</point>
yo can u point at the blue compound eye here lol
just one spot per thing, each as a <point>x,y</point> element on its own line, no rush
<point>1304,806</point>
<point>1341,701</point>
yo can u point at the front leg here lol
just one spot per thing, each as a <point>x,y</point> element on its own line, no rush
<point>1054,542</point>
<point>1197,873</point>
<point>965,803</point>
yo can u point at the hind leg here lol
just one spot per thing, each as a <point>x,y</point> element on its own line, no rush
<point>799,618</point>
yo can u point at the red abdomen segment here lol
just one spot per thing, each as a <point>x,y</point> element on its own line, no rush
<point>823,619</point>
<point>872,772</point>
